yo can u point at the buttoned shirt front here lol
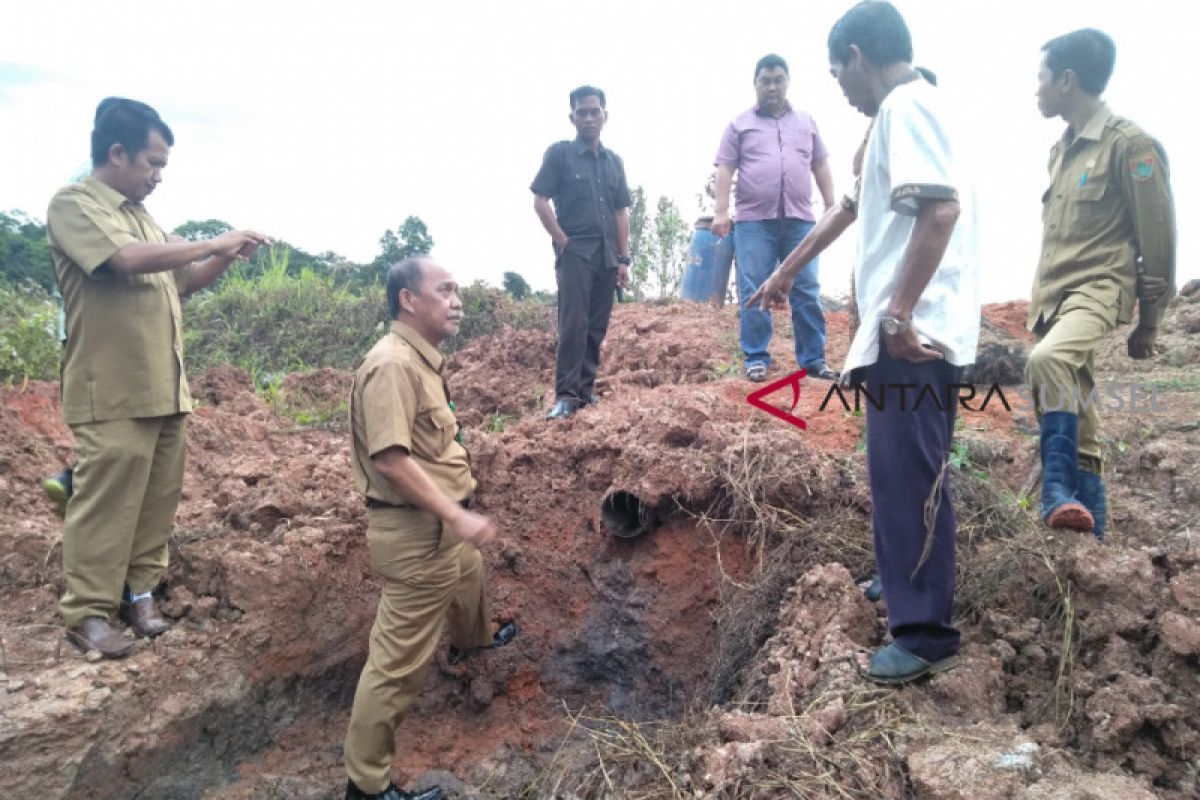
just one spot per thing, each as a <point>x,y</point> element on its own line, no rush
<point>774,158</point>
<point>587,188</point>
<point>1109,202</point>
<point>400,399</point>
<point>124,333</point>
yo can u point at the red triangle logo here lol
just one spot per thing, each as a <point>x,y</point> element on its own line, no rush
<point>758,398</point>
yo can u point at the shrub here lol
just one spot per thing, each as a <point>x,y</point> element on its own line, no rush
<point>29,345</point>
<point>487,309</point>
<point>278,322</point>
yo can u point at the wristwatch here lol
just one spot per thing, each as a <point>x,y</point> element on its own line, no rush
<point>626,260</point>
<point>893,326</point>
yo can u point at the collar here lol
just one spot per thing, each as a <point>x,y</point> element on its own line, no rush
<point>1094,128</point>
<point>106,193</point>
<point>582,147</point>
<point>787,109</point>
<point>418,342</point>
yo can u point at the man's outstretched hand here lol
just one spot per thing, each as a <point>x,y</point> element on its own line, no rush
<point>772,294</point>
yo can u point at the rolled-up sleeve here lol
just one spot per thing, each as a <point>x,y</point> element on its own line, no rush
<point>919,158</point>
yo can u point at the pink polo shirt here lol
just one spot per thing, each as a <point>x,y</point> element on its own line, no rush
<point>774,157</point>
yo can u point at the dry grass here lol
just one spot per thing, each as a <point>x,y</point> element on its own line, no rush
<point>604,758</point>
<point>788,511</point>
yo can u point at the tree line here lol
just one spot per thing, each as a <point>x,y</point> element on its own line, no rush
<point>659,238</point>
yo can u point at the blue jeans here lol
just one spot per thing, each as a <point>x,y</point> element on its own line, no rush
<point>760,245</point>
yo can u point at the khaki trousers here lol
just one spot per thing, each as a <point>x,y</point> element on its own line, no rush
<point>428,576</point>
<point>128,475</point>
<point>1061,366</point>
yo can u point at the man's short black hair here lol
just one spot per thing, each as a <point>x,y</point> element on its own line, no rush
<point>1087,52</point>
<point>408,273</point>
<point>587,91</point>
<point>128,123</point>
<point>771,61</point>
<point>878,30</point>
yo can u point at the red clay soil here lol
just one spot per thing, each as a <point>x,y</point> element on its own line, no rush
<point>248,696</point>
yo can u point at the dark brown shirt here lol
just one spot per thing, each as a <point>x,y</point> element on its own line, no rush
<point>587,188</point>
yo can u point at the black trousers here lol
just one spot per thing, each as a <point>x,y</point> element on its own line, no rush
<point>907,449</point>
<point>586,286</point>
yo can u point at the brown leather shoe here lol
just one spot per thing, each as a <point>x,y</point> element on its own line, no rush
<point>96,634</point>
<point>143,616</point>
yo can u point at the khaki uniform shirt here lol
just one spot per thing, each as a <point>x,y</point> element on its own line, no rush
<point>124,354</point>
<point>1109,202</point>
<point>399,399</point>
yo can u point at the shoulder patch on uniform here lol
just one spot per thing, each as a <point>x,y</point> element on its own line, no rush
<point>1141,169</point>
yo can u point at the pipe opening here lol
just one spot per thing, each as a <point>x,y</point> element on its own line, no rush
<point>626,516</point>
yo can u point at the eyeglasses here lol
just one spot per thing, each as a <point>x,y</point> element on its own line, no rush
<point>585,113</point>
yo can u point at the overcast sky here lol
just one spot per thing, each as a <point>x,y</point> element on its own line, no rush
<point>326,123</point>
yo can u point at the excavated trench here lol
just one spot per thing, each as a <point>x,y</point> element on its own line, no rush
<point>235,715</point>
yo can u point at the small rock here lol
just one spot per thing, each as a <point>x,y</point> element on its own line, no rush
<point>93,656</point>
<point>1180,633</point>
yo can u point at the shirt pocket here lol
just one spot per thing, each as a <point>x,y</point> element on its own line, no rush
<point>435,430</point>
<point>579,187</point>
<point>1090,211</point>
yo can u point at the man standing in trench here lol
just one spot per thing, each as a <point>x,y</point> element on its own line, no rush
<point>1109,204</point>
<point>589,228</point>
<point>916,281</point>
<point>124,392</point>
<point>409,462</point>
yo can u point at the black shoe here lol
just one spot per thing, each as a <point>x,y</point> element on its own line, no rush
<point>824,373</point>
<point>59,488</point>
<point>504,635</point>
<point>874,588</point>
<point>393,792</point>
<point>590,399</point>
<point>563,408</point>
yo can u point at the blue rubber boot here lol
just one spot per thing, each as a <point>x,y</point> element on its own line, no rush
<point>1060,473</point>
<point>1093,496</point>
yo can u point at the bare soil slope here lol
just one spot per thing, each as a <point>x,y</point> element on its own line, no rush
<point>706,658</point>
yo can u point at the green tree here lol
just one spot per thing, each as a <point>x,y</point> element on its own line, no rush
<point>24,253</point>
<point>410,239</point>
<point>196,230</point>
<point>669,247</point>
<point>516,286</point>
<point>639,271</point>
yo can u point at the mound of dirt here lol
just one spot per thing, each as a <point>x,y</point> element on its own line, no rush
<point>1079,675</point>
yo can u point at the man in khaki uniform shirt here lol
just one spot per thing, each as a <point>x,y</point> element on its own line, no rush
<point>124,392</point>
<point>407,459</point>
<point>1108,207</point>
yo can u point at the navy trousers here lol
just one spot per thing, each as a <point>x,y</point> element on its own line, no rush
<point>908,441</point>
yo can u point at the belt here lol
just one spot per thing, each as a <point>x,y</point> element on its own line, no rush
<point>375,503</point>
